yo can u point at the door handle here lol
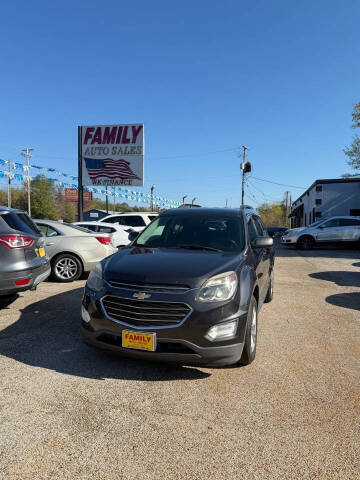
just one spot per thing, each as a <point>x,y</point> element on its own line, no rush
<point>50,243</point>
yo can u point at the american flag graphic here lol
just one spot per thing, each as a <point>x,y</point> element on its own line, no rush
<point>109,168</point>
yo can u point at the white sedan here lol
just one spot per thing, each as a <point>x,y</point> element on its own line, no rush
<point>120,233</point>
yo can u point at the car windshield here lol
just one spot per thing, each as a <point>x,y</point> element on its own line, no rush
<point>316,223</point>
<point>194,232</point>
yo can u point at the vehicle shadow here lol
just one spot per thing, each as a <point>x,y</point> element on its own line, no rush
<point>357,264</point>
<point>6,301</point>
<point>345,300</point>
<point>318,252</point>
<point>47,335</point>
<point>341,278</point>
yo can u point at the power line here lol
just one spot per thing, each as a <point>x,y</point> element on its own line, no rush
<point>276,183</point>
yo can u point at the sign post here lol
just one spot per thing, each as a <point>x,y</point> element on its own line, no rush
<point>80,177</point>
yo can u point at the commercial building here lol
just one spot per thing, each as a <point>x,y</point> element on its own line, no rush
<point>326,198</point>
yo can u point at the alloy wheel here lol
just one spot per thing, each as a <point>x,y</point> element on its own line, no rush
<point>66,268</point>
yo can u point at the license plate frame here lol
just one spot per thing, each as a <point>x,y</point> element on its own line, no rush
<point>134,340</point>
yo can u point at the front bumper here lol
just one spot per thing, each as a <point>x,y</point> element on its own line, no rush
<point>184,344</point>
<point>37,275</point>
<point>288,240</point>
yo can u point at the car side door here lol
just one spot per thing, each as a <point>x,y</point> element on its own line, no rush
<point>52,238</point>
<point>258,253</point>
<point>349,229</point>
<point>328,231</point>
<point>266,256</point>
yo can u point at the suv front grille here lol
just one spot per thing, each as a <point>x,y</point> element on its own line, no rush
<point>145,313</point>
<point>150,287</point>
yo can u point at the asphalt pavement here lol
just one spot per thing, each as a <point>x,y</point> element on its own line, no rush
<point>68,411</point>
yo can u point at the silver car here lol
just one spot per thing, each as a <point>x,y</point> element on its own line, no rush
<point>330,230</point>
<point>73,250</point>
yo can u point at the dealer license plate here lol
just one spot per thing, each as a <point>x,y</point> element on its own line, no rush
<point>139,340</point>
<point>41,252</point>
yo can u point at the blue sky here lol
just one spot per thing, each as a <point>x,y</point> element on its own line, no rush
<point>205,77</point>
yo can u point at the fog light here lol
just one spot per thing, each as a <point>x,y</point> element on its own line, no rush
<point>84,314</point>
<point>222,331</point>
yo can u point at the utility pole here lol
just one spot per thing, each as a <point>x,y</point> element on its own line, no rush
<point>152,197</point>
<point>286,207</point>
<point>290,203</point>
<point>185,196</point>
<point>192,202</point>
<point>9,183</point>
<point>26,153</point>
<point>114,197</point>
<point>245,167</point>
<point>107,199</point>
<point>226,204</point>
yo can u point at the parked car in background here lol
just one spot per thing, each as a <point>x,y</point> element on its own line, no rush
<point>276,231</point>
<point>136,220</point>
<point>187,290</point>
<point>73,250</point>
<point>339,230</point>
<point>23,260</point>
<point>120,233</point>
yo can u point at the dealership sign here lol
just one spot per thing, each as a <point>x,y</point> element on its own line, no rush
<point>111,155</point>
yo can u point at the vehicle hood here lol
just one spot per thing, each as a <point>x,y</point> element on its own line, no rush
<point>169,266</point>
<point>292,230</point>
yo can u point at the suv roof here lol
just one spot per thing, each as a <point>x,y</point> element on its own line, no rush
<point>10,210</point>
<point>228,212</point>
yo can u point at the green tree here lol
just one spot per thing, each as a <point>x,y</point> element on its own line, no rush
<point>272,214</point>
<point>353,152</point>
<point>43,198</point>
<point>70,213</point>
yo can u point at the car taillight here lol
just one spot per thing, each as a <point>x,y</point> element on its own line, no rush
<point>104,240</point>
<point>16,241</point>
<point>20,283</point>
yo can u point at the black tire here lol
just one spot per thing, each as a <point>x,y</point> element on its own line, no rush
<point>270,292</point>
<point>249,350</point>
<point>306,243</point>
<point>66,268</point>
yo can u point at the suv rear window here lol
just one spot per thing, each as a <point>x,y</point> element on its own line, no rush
<point>21,222</point>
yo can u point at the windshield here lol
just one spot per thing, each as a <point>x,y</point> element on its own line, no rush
<point>194,231</point>
<point>316,223</point>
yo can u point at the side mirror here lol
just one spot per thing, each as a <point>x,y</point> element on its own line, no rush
<point>132,236</point>
<point>262,242</point>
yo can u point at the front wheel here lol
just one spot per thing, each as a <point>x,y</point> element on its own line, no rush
<point>66,268</point>
<point>249,350</point>
<point>306,243</point>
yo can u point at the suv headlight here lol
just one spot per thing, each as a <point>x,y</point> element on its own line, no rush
<point>95,279</point>
<point>218,288</point>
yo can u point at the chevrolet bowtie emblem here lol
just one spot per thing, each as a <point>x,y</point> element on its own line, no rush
<point>141,295</point>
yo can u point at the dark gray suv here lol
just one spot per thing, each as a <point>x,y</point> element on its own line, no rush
<point>187,290</point>
<point>23,260</point>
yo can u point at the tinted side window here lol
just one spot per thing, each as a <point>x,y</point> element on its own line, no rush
<point>106,229</point>
<point>349,222</point>
<point>260,227</point>
<point>21,222</point>
<point>331,223</point>
<point>152,217</point>
<point>252,229</point>
<point>114,220</point>
<point>134,221</point>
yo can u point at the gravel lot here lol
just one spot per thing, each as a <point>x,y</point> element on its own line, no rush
<point>70,412</point>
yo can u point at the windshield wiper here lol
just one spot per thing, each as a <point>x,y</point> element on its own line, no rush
<point>200,247</point>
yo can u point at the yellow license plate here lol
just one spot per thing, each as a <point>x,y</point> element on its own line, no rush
<point>139,340</point>
<point>41,252</point>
